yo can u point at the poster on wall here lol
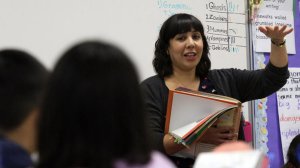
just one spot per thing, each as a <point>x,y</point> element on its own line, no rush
<point>274,13</point>
<point>288,103</point>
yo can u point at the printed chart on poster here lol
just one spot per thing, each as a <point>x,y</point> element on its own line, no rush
<point>288,102</point>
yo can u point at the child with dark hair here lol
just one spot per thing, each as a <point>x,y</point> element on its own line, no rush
<point>22,80</point>
<point>293,154</point>
<point>93,113</point>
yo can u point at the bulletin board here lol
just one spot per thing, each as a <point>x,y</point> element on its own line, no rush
<point>267,129</point>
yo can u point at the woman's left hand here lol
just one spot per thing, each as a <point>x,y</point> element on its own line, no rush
<point>276,32</point>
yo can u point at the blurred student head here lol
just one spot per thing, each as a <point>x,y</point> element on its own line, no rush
<point>293,154</point>
<point>93,111</point>
<point>232,154</point>
<point>22,80</point>
<point>233,146</point>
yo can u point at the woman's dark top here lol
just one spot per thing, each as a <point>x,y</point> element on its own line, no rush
<point>244,85</point>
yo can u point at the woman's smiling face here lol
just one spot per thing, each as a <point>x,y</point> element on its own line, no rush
<point>185,50</point>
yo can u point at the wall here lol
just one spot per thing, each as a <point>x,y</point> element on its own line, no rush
<point>46,28</point>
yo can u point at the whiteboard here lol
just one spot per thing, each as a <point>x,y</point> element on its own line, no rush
<point>47,28</point>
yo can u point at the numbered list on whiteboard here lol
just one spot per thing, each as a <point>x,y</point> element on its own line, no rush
<point>226,30</point>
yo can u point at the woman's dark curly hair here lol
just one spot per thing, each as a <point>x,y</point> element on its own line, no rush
<point>177,24</point>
